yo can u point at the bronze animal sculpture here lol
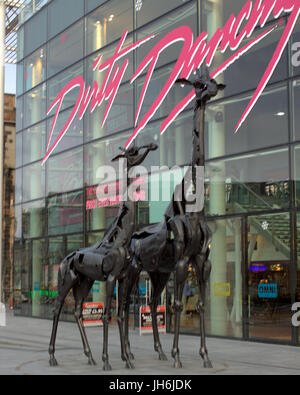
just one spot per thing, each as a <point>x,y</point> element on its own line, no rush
<point>180,239</point>
<point>106,261</point>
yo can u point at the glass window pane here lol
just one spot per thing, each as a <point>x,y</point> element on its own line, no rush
<point>34,141</point>
<point>156,85</point>
<point>74,135</point>
<point>35,68</point>
<point>74,242</point>
<point>57,83</point>
<point>187,15</point>
<point>19,149</point>
<point>34,182</point>
<point>224,293</point>
<point>295,60</point>
<point>65,49</point>
<point>65,214</point>
<point>19,113</point>
<point>35,32</point>
<point>64,172</point>
<point>253,182</point>
<point>269,276</point>
<point>107,53</point>
<point>297,295</point>
<point>35,105</point>
<point>63,13</point>
<point>266,125</point>
<point>18,223</point>
<point>160,186</point>
<point>215,14</point>
<point>148,10</point>
<point>18,186</point>
<point>296,174</point>
<point>296,98</point>
<point>174,146</point>
<point>93,238</point>
<point>34,219</point>
<point>100,153</point>
<point>20,79</point>
<point>92,4</point>
<point>20,46</point>
<point>246,73</point>
<point>120,116</point>
<point>108,23</point>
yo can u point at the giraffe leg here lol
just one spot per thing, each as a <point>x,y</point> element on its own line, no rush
<point>159,281</point>
<point>121,290</point>
<point>180,277</point>
<point>63,289</point>
<point>202,268</point>
<point>133,276</point>
<point>110,284</point>
<point>81,291</point>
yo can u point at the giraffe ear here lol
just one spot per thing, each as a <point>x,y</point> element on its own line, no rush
<point>183,81</point>
<point>117,157</point>
<point>221,87</point>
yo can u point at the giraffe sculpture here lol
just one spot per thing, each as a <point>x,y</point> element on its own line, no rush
<point>181,239</point>
<point>105,261</point>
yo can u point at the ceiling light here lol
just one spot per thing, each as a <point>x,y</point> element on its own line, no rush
<point>280,114</point>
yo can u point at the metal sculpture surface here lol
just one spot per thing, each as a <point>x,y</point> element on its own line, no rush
<point>181,239</point>
<point>105,261</point>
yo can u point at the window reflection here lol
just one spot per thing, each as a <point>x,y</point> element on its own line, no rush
<point>56,84</point>
<point>19,149</point>
<point>64,172</point>
<point>152,9</point>
<point>34,140</point>
<point>33,219</point>
<point>269,276</point>
<point>32,39</point>
<point>62,14</point>
<point>73,136</point>
<point>65,213</point>
<point>65,49</point>
<point>184,16</point>
<point>174,146</point>
<point>34,186</point>
<point>35,105</point>
<point>157,83</point>
<point>246,72</point>
<point>108,23</point>
<point>267,123</point>
<point>120,116</point>
<point>253,182</point>
<point>19,113</point>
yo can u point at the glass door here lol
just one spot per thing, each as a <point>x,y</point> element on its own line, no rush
<point>268,275</point>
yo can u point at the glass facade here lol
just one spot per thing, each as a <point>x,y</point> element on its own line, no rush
<point>252,181</point>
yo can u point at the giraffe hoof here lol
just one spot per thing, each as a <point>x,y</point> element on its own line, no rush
<point>107,367</point>
<point>162,357</point>
<point>53,362</point>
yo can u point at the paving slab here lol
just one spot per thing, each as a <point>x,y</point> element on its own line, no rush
<point>24,351</point>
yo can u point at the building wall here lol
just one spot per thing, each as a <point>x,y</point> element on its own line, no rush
<point>252,189</point>
<point>9,170</point>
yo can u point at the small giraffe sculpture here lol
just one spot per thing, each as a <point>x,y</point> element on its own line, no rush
<point>105,261</point>
<point>181,239</point>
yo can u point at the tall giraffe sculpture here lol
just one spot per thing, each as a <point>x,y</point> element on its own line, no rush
<point>106,261</point>
<point>181,238</point>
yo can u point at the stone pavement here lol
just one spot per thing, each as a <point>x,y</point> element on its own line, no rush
<point>24,351</point>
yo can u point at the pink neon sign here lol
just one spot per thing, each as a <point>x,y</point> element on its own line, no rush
<point>192,56</point>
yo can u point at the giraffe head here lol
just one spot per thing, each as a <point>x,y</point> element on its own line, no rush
<point>205,86</point>
<point>133,155</point>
